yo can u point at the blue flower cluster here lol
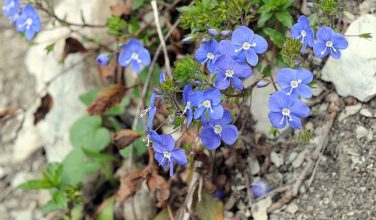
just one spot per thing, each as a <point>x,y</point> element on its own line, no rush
<point>26,20</point>
<point>285,106</point>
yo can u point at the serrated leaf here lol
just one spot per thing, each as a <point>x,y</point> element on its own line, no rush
<point>53,173</point>
<point>88,133</point>
<point>275,36</point>
<point>36,184</point>
<point>285,18</point>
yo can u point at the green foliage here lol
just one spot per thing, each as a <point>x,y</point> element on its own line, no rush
<point>304,136</point>
<point>329,7</point>
<point>116,26</point>
<point>186,70</point>
<point>291,51</point>
<point>88,132</point>
<point>275,8</point>
<point>49,48</point>
<point>275,36</point>
<point>365,35</point>
<point>274,131</point>
<point>209,208</point>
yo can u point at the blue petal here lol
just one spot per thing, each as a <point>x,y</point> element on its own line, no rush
<point>171,168</point>
<point>217,112</point>
<point>214,95</point>
<point>151,117</point>
<point>201,54</point>
<point>304,22</point>
<point>144,56</point>
<point>285,76</point>
<point>124,56</point>
<point>210,139</point>
<point>221,83</point>
<point>226,118</point>
<point>166,143</point>
<point>242,70</point>
<point>229,134</point>
<point>162,77</point>
<point>136,67</point>
<point>187,93</point>
<point>159,158</point>
<point>224,63</point>
<point>310,38</point>
<point>304,75</point>
<point>29,34</point>
<point>295,122</point>
<point>226,48</point>
<point>261,44</point>
<point>210,65</point>
<point>197,97</point>
<point>241,35</point>
<point>240,56</point>
<point>304,91</point>
<point>189,117</point>
<point>251,57</point>
<point>296,31</point>
<point>278,101</point>
<point>324,34</point>
<point>340,42</point>
<point>178,155</point>
<point>299,109</point>
<point>318,48</point>
<point>276,118</point>
<point>237,83</point>
<point>198,112</point>
<point>335,54</point>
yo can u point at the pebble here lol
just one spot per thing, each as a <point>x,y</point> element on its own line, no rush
<point>2,172</point>
<point>361,132</point>
<point>277,159</point>
<point>292,157</point>
<point>299,159</point>
<point>349,110</point>
<point>292,208</point>
<point>259,209</point>
<point>366,113</point>
<point>20,178</point>
<point>254,166</point>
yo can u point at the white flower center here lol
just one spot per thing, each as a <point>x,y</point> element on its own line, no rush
<point>217,129</point>
<point>210,56</point>
<point>329,43</point>
<point>303,33</point>
<point>167,155</point>
<point>245,46</point>
<point>206,104</point>
<point>286,112</point>
<point>134,56</point>
<point>188,106</point>
<point>294,84</point>
<point>229,73</point>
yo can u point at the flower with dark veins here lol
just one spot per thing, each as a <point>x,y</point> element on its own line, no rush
<point>228,71</point>
<point>166,153</point>
<point>295,82</point>
<point>207,101</point>
<point>285,109</point>
<point>247,45</point>
<point>135,55</point>
<point>207,53</point>
<point>216,130</point>
<point>329,42</point>
<point>303,32</point>
<point>28,22</point>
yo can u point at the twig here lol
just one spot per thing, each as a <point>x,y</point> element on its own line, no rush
<point>160,35</point>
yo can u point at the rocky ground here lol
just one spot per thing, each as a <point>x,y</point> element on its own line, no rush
<point>343,186</point>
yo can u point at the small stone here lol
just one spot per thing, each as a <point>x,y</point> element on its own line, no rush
<point>349,110</point>
<point>299,159</point>
<point>292,157</point>
<point>2,172</point>
<point>370,136</point>
<point>259,210</point>
<point>22,214</point>
<point>366,113</point>
<point>292,208</point>
<point>277,159</point>
<point>20,178</point>
<point>361,132</point>
<point>254,166</point>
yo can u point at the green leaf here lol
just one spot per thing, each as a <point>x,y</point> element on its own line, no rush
<point>36,184</point>
<point>119,109</point>
<point>60,199</point>
<point>107,212</point>
<point>98,156</point>
<point>285,18</point>
<point>136,4</point>
<point>89,97</point>
<point>264,17</point>
<point>209,208</point>
<point>275,36</point>
<point>49,48</point>
<point>76,165</point>
<point>365,35</point>
<point>88,133</point>
<point>50,206</point>
<point>53,173</point>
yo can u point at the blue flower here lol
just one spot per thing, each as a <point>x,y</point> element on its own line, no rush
<point>207,101</point>
<point>259,189</point>
<point>329,42</point>
<point>212,32</point>
<point>28,22</point>
<point>187,91</point>
<point>284,108</point>
<point>224,33</point>
<point>295,82</point>
<point>228,70</point>
<point>11,9</point>
<point>165,152</point>
<point>262,83</point>
<point>103,59</point>
<point>226,48</point>
<point>248,45</point>
<point>219,194</point>
<point>162,77</point>
<point>216,130</point>
<point>207,53</point>
<point>303,32</point>
<point>152,110</point>
<point>135,55</point>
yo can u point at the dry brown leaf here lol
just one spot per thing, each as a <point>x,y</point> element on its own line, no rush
<point>43,109</point>
<point>7,112</point>
<point>72,45</point>
<point>159,187</point>
<point>121,9</point>
<point>107,99</point>
<point>129,184</point>
<point>125,137</point>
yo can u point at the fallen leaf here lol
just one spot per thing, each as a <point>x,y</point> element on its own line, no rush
<point>43,109</point>
<point>129,184</point>
<point>121,9</point>
<point>209,208</point>
<point>72,45</point>
<point>125,137</point>
<point>159,187</point>
<point>107,99</point>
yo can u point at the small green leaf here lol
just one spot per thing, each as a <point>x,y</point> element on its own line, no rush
<point>209,208</point>
<point>365,35</point>
<point>53,173</point>
<point>36,184</point>
<point>107,212</point>
<point>285,18</point>
<point>264,17</point>
<point>87,132</point>
<point>49,207</point>
<point>275,36</point>
<point>274,131</point>
<point>49,48</point>
<point>89,97</point>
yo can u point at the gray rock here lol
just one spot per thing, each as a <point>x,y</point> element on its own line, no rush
<point>277,159</point>
<point>20,178</point>
<point>292,157</point>
<point>299,159</point>
<point>355,73</point>
<point>349,110</point>
<point>259,209</point>
<point>2,172</point>
<point>366,113</point>
<point>361,132</point>
<point>254,166</point>
<point>292,208</point>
